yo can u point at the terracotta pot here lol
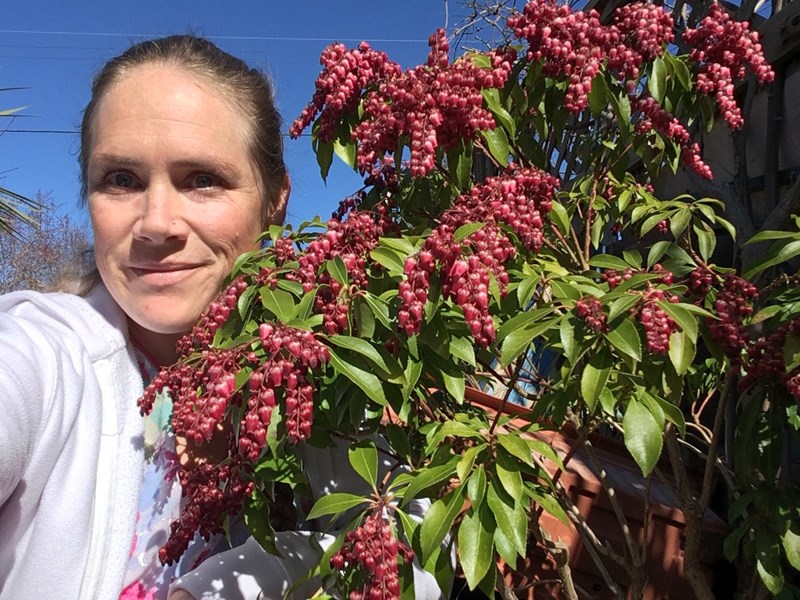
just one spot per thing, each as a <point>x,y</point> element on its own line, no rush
<point>665,537</point>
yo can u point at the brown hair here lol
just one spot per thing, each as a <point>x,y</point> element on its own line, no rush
<point>248,89</point>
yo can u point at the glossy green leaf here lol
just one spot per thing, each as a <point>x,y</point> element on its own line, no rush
<point>683,317</point>
<point>625,338</point>
<point>597,95</point>
<point>791,546</point>
<point>363,457</point>
<point>462,349</point>
<point>678,221</point>
<point>508,474</point>
<point>386,364</point>
<point>681,351</point>
<point>551,506</point>
<point>467,461</point>
<point>379,308</point>
<point>657,252</point>
<point>476,544</point>
<point>476,486</point>
<point>560,217</point>
<point>643,437</point>
<point>497,141</point>
<point>438,520</point>
<point>608,261</point>
<point>622,305</point>
<point>345,152</point>
<point>466,230</point>
<point>657,81</point>
<point>791,352</point>
<point>501,115</point>
<point>516,446</point>
<point>517,341</point>
<point>511,519</point>
<point>567,335</point>
<point>324,153</point>
<point>776,256</point>
<point>369,383</point>
<point>594,377</point>
<point>279,303</point>
<point>389,259</point>
<point>336,269</point>
<point>336,503</point>
<point>430,477</point>
<point>769,559</point>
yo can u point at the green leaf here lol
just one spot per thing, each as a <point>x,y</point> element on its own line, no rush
<point>678,221</point>
<point>324,152</point>
<point>706,241</point>
<point>335,504</point>
<point>497,141</point>
<point>657,81</point>
<point>769,559</point>
<point>346,152</point>
<point>625,338</point>
<point>765,236</point>
<point>369,383</point>
<point>336,269</point>
<point>467,461</point>
<point>476,544</point>
<point>597,95</point>
<point>430,476</point>
<point>438,520</point>
<point>256,518</point>
<point>502,116</point>
<point>643,437</point>
<point>476,486</point>
<point>508,474</point>
<point>657,251</point>
<point>385,363</point>
<point>363,458</point>
<point>505,547</point>
<point>681,351</point>
<point>608,261</point>
<point>389,259</point>
<point>791,352</point>
<point>550,504</point>
<point>511,519</point>
<point>560,217</point>
<point>622,305</point>
<point>379,308</point>
<point>518,340</point>
<point>594,377</point>
<point>279,303</point>
<point>776,256</point>
<point>516,446</point>
<point>791,545</point>
<point>466,230</point>
<point>567,335</point>
<point>682,316</point>
<point>462,349</point>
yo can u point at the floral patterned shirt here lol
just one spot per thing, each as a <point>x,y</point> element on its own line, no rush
<point>159,504</point>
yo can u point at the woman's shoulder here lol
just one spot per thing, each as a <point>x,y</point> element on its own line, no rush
<point>95,319</point>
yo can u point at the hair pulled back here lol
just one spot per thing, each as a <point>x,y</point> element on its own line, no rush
<point>249,90</point>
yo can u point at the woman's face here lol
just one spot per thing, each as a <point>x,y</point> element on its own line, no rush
<point>173,195</point>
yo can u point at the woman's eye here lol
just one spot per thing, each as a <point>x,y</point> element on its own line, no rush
<point>204,180</point>
<point>122,180</point>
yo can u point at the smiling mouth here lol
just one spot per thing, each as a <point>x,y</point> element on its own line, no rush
<point>161,275</point>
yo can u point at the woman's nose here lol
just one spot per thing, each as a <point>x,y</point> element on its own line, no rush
<point>161,217</point>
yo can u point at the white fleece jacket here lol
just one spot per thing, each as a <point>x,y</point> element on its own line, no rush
<point>70,446</point>
<point>71,458</point>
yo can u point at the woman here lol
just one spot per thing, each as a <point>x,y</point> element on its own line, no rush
<point>181,161</point>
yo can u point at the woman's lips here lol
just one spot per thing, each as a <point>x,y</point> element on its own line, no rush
<point>159,275</point>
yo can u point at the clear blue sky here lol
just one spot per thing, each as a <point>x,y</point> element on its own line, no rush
<point>52,48</point>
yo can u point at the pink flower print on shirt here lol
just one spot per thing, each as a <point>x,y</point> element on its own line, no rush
<point>136,591</point>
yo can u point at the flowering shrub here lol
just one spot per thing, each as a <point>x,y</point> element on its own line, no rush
<point>368,329</point>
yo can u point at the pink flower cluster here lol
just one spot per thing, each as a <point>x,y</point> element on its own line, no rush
<point>373,546</point>
<point>345,74</point>
<point>734,303</point>
<point>723,48</point>
<point>350,239</point>
<point>575,44</point>
<point>520,199</point>
<point>437,104</point>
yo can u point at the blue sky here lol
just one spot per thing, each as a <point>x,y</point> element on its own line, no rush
<point>52,49</point>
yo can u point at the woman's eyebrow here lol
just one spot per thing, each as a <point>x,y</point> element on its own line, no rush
<point>214,165</point>
<point>114,159</point>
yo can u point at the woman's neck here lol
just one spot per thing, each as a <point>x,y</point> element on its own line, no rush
<point>161,347</point>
